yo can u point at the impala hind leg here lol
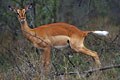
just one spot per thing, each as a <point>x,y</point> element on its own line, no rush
<point>80,48</point>
<point>91,53</point>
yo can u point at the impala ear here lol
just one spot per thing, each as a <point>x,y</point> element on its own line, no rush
<point>12,8</point>
<point>28,7</point>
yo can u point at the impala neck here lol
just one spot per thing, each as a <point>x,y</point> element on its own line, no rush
<point>25,27</point>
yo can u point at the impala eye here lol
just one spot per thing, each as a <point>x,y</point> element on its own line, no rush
<point>25,12</point>
<point>17,13</point>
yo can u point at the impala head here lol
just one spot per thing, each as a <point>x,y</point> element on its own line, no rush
<point>21,12</point>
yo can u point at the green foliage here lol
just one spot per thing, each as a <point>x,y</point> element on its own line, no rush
<point>46,12</point>
<point>101,7</point>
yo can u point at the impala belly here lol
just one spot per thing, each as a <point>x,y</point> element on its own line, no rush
<point>60,41</point>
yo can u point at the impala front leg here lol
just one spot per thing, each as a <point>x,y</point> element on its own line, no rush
<point>46,59</point>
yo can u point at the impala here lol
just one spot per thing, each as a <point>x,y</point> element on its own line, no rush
<point>57,35</point>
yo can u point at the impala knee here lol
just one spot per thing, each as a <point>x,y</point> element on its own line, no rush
<point>95,56</point>
<point>45,63</point>
<point>76,48</point>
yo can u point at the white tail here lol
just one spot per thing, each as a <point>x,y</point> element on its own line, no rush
<point>102,33</point>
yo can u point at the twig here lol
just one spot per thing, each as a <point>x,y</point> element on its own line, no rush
<point>89,72</point>
<point>70,61</point>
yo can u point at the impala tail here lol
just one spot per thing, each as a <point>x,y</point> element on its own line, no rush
<point>102,33</point>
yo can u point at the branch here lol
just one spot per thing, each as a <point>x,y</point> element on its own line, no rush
<point>89,72</point>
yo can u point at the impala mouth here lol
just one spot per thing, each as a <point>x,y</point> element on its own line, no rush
<point>22,21</point>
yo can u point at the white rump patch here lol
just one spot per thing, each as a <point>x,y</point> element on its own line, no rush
<point>102,33</point>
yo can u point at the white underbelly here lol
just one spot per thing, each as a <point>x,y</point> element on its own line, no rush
<point>60,47</point>
<point>60,41</point>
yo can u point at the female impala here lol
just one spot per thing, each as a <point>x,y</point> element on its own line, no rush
<point>56,35</point>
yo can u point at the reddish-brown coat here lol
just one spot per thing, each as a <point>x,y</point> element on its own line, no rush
<point>60,28</point>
